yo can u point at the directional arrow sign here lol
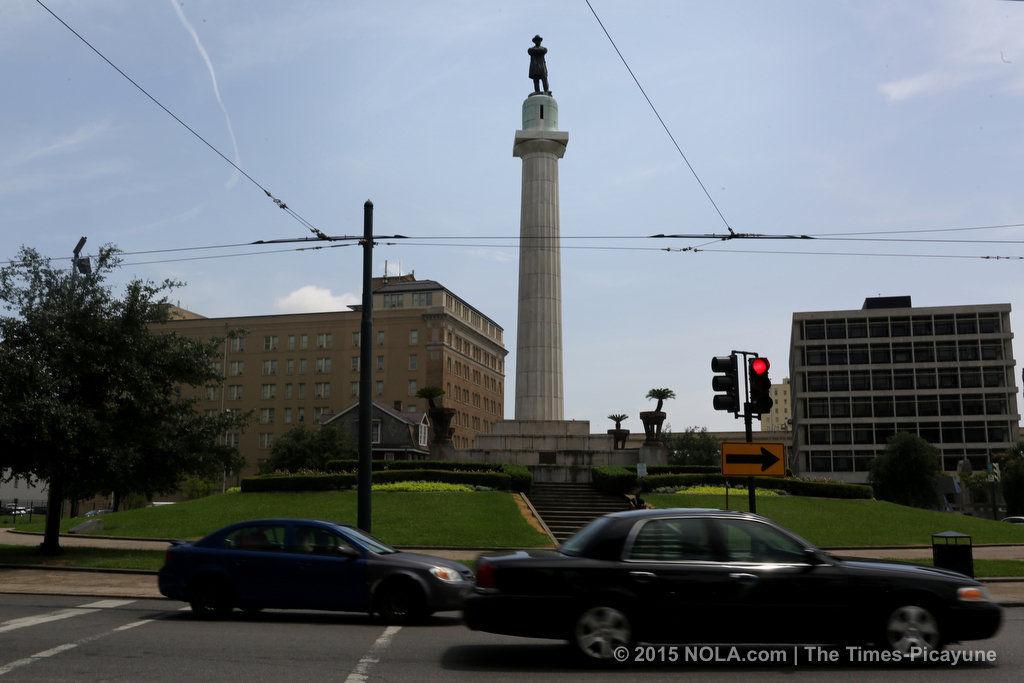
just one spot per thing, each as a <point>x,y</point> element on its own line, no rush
<point>753,459</point>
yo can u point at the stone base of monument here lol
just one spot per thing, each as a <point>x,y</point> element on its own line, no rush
<point>556,451</point>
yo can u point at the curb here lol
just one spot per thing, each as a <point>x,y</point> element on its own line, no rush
<point>93,570</point>
<point>93,536</point>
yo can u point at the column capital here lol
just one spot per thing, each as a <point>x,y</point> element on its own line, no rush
<point>540,141</point>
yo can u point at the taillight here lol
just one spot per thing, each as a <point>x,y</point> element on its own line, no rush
<point>485,575</point>
<point>167,556</point>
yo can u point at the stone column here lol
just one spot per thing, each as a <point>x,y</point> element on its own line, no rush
<point>540,145</point>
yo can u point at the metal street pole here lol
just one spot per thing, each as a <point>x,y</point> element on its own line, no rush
<point>365,479</point>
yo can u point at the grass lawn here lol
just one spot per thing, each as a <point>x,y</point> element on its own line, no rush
<point>831,522</point>
<point>468,520</point>
<point>984,568</point>
<point>97,558</point>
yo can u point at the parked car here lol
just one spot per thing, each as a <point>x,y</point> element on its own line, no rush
<point>308,564</point>
<point>1014,520</point>
<point>96,513</point>
<point>15,510</point>
<point>709,576</point>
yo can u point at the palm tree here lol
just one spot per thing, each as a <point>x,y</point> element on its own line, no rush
<point>431,394</point>
<point>440,417</point>
<point>617,418</point>
<point>661,395</point>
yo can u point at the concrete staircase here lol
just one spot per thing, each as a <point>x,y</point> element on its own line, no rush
<point>566,508</point>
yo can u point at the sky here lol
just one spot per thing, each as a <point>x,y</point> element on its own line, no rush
<point>799,117</point>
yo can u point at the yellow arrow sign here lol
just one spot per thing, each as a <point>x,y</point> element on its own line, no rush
<point>753,459</point>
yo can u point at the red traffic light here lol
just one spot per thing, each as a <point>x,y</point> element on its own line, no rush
<point>760,366</point>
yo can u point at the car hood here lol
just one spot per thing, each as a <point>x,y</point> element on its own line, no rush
<point>426,560</point>
<point>869,565</point>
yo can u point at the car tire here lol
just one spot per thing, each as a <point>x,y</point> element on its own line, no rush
<point>911,624</point>
<point>400,603</point>
<point>600,631</point>
<point>210,599</point>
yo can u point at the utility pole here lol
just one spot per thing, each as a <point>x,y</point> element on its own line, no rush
<point>365,478</point>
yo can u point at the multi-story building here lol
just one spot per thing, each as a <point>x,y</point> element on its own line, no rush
<point>779,417</point>
<point>297,368</point>
<point>859,376</point>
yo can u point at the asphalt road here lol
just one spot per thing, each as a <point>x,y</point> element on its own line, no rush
<point>61,638</point>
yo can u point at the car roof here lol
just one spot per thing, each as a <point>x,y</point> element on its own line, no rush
<point>286,520</point>
<point>679,512</point>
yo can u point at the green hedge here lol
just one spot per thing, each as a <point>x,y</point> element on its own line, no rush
<point>796,487</point>
<point>332,482</point>
<point>520,475</point>
<point>683,469</point>
<point>613,479</point>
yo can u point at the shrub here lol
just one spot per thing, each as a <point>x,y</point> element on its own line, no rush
<point>234,489</point>
<point>720,491</point>
<point>905,471</point>
<point>297,482</point>
<point>683,469</point>
<point>613,479</point>
<point>796,487</point>
<point>423,486</point>
<point>495,480</point>
<point>520,475</point>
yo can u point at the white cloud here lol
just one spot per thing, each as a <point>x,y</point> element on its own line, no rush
<point>312,299</point>
<point>68,142</point>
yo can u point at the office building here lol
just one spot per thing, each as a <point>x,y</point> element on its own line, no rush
<point>778,419</point>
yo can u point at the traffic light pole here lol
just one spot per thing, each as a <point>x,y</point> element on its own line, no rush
<point>365,476</point>
<point>748,425</point>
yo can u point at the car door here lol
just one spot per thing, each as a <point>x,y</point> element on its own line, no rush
<point>674,568</point>
<point>261,573</point>
<point>331,570</point>
<point>778,592</point>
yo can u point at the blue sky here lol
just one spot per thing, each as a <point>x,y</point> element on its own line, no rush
<point>806,117</point>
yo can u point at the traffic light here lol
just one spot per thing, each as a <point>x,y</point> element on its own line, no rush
<point>760,385</point>
<point>727,382</point>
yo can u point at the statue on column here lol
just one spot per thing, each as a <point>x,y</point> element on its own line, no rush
<point>538,67</point>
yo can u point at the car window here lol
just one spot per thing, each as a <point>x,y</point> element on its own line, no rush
<point>578,542</point>
<point>311,540</point>
<point>265,538</point>
<point>672,539</point>
<point>747,541</point>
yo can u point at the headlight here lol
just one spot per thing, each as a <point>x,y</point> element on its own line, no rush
<point>973,594</point>
<point>446,574</point>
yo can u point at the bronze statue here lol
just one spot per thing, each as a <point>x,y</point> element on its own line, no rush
<point>538,67</point>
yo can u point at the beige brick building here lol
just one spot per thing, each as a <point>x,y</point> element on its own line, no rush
<point>779,419</point>
<point>296,368</point>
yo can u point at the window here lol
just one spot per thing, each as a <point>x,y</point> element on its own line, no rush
<point>839,381</point>
<point>945,352</point>
<point>991,351</point>
<point>289,367</point>
<point>323,390</point>
<point>881,380</point>
<point>966,324</point>
<point>816,355</point>
<point>817,407</point>
<point>323,340</point>
<point>238,343</point>
<point>414,337</point>
<point>412,387</point>
<point>380,337</point>
<point>375,432</point>
<point>671,540</point>
<point>816,381</point>
<point>304,342</point>
<point>380,388</point>
<point>422,298</point>
<point>380,362</point>
<point>814,329</point>
<point>943,325</point>
<point>232,439</point>
<point>266,416</point>
<point>287,415</point>
<point>355,363</point>
<point>857,329</point>
<point>393,301</point>
<point>212,393</point>
<point>268,391</point>
<point>900,327</point>
<point>303,366</point>
<point>270,343</point>
<point>988,323</point>
<point>924,352</point>
<point>860,407</point>
<point>266,439</point>
<point>756,542</point>
<point>925,379</point>
<point>236,368</point>
<point>860,380</point>
<point>235,392</point>
<point>880,354</point>
<point>302,390</point>
<point>859,355</point>
<point>423,435</point>
<point>355,339</point>
<point>840,407</point>
<point>256,538</point>
<point>878,327</point>
<point>316,541</point>
<point>353,389</point>
<point>301,414</point>
<point>323,365</point>
<point>291,342</point>
<point>901,353</point>
<point>269,367</point>
<point>922,327</point>
<point>413,361</point>
<point>903,379</point>
<point>836,329</point>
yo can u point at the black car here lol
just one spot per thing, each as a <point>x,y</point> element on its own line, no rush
<point>710,576</point>
<point>308,564</point>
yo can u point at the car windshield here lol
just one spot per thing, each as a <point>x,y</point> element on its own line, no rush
<point>367,541</point>
<point>577,543</point>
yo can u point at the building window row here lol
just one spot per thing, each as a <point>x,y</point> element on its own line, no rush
<point>902,379</point>
<point>906,406</point>
<point>906,352</point>
<point>860,461</point>
<point>935,433</point>
<point>902,326</point>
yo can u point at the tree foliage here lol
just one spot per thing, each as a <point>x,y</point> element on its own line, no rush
<point>694,446</point>
<point>1012,468</point>
<point>432,394</point>
<point>91,388</point>
<point>618,419</point>
<point>304,449</point>
<point>905,471</point>
<point>661,395</point>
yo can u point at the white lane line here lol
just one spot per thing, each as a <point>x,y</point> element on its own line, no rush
<point>372,656</point>
<point>108,604</point>
<point>15,624</point>
<point>18,663</point>
<point>133,625</point>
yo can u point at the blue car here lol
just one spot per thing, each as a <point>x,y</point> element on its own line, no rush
<point>308,564</point>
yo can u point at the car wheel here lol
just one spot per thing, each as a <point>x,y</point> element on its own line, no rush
<point>600,631</point>
<point>912,626</point>
<point>400,603</point>
<point>210,599</point>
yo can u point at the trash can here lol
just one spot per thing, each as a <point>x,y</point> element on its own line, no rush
<point>953,550</point>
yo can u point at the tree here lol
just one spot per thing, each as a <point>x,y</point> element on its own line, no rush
<point>618,418</point>
<point>303,449</point>
<point>432,394</point>
<point>661,395</point>
<point>694,446</point>
<point>92,390</point>
<point>905,471</point>
<point>1011,467</point>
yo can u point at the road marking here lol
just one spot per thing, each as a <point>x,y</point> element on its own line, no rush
<point>57,615</point>
<point>133,625</point>
<point>18,663</point>
<point>372,656</point>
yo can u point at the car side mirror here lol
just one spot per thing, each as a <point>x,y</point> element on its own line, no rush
<point>347,552</point>
<point>813,557</point>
